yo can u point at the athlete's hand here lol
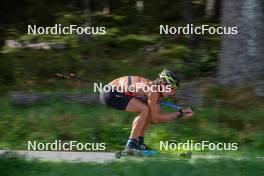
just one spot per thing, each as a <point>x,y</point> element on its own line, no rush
<point>187,113</point>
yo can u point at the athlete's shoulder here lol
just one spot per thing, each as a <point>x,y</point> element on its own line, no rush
<point>140,78</point>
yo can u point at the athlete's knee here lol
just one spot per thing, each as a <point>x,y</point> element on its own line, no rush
<point>144,111</point>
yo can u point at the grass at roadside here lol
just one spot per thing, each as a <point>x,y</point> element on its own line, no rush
<point>16,166</point>
<point>50,121</point>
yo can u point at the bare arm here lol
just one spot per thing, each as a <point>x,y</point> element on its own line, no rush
<point>156,116</point>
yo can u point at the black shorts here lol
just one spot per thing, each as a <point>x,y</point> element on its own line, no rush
<point>115,99</point>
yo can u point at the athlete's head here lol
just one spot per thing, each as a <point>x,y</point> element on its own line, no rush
<point>172,79</point>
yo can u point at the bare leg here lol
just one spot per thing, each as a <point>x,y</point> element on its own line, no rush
<point>139,122</point>
<point>142,133</point>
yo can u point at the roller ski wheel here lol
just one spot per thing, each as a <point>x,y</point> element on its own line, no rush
<point>185,155</point>
<point>125,153</point>
<point>118,154</point>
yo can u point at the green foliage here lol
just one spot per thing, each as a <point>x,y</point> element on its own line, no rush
<point>112,53</point>
<point>53,120</point>
<point>229,114</point>
<point>119,52</point>
<point>233,97</point>
<point>7,76</point>
<point>48,123</point>
<point>11,165</point>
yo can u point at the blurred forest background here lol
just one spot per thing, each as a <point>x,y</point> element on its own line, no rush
<point>223,74</point>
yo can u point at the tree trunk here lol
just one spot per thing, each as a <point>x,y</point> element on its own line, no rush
<point>84,38</point>
<point>241,60</point>
<point>188,18</point>
<point>210,8</point>
<point>106,7</point>
<point>140,6</point>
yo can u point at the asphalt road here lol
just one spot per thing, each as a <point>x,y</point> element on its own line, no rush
<point>101,157</point>
<point>65,156</point>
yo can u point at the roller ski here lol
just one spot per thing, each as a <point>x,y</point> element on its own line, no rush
<point>141,151</point>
